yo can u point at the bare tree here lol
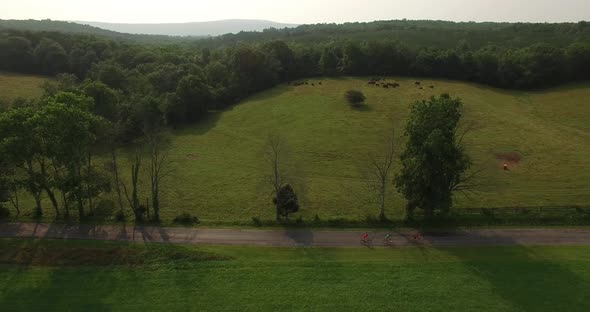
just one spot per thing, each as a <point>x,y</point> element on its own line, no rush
<point>133,199</point>
<point>115,169</point>
<point>380,168</point>
<point>276,154</point>
<point>157,141</point>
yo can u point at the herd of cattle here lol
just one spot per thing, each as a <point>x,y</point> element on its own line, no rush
<point>301,83</point>
<point>378,82</point>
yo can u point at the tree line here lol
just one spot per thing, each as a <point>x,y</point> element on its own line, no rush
<point>54,148</point>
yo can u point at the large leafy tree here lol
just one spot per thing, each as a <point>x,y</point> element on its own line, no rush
<point>68,131</point>
<point>191,101</point>
<point>434,161</point>
<point>51,57</point>
<point>21,146</point>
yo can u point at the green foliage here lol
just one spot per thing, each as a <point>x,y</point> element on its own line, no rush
<point>434,160</point>
<point>355,97</point>
<point>51,56</point>
<point>111,74</point>
<point>106,100</point>
<point>5,173</point>
<point>191,101</point>
<point>286,201</point>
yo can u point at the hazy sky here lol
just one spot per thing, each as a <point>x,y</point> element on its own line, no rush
<point>296,11</point>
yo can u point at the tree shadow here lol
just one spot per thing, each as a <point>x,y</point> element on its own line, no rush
<point>523,276</point>
<point>362,108</point>
<point>300,237</point>
<point>209,122</point>
<point>27,287</point>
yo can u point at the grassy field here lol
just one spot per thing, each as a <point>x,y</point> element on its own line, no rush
<point>96,276</point>
<point>13,86</point>
<point>219,168</point>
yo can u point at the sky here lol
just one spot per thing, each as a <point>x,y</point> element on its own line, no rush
<point>296,11</point>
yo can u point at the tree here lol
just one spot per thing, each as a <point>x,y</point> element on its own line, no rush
<point>16,54</point>
<point>20,145</point>
<point>105,99</point>
<point>68,131</point>
<point>380,166</point>
<point>355,98</point>
<point>434,161</point>
<point>111,74</point>
<point>192,99</point>
<point>5,189</point>
<point>284,55</point>
<point>330,62</point>
<point>156,141</point>
<point>51,57</point>
<point>353,60</point>
<point>286,201</point>
<point>133,199</point>
<point>276,154</point>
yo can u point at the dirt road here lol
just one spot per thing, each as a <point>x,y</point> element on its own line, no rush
<point>294,237</point>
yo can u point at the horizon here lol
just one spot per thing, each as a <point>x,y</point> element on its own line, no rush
<point>303,12</point>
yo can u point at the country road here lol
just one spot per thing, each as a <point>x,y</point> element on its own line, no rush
<point>293,237</point>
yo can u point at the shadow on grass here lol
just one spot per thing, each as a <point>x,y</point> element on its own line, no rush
<point>526,280</point>
<point>203,126</point>
<point>361,108</point>
<point>128,276</point>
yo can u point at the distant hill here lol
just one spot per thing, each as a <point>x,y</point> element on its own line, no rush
<point>197,29</point>
<point>76,28</point>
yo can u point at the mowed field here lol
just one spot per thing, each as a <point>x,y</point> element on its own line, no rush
<point>13,86</point>
<point>218,168</point>
<point>99,276</point>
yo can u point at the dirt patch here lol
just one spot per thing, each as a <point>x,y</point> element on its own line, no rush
<point>192,156</point>
<point>510,158</point>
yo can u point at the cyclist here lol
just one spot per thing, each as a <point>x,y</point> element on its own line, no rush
<point>388,238</point>
<point>365,237</point>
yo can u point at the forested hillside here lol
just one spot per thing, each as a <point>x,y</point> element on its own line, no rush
<point>78,28</point>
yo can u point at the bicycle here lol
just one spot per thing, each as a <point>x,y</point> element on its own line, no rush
<point>366,240</point>
<point>388,240</point>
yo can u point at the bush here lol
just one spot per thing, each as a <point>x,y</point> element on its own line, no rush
<point>4,213</point>
<point>355,97</point>
<point>186,219</point>
<point>256,221</point>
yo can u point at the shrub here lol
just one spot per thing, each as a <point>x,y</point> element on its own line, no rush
<point>286,201</point>
<point>256,221</point>
<point>186,219</point>
<point>355,97</point>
